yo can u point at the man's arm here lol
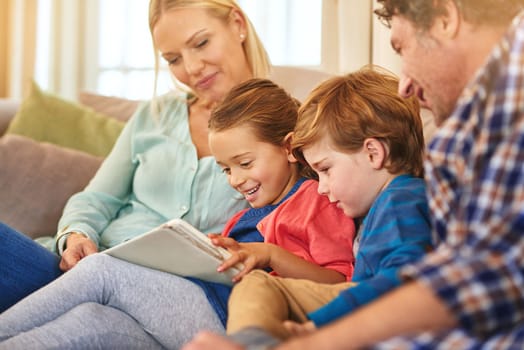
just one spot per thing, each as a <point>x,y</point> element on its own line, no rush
<point>409,309</point>
<point>412,308</point>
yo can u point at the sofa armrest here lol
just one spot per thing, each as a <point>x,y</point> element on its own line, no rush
<point>8,108</point>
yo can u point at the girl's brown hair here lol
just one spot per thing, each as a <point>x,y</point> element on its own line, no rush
<point>264,107</point>
<point>364,104</point>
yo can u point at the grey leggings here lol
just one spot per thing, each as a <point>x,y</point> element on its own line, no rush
<point>107,303</point>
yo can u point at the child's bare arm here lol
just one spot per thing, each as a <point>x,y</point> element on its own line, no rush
<point>285,264</point>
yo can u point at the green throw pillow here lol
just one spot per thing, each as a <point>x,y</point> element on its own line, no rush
<point>45,117</point>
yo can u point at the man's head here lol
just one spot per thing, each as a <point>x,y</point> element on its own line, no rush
<point>422,13</point>
<point>443,43</point>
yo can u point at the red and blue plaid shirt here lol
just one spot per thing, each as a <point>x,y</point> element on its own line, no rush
<point>475,177</point>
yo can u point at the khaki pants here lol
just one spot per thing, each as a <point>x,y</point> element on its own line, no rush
<point>265,301</point>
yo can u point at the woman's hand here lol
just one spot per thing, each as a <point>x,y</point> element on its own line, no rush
<point>251,255</point>
<point>78,247</point>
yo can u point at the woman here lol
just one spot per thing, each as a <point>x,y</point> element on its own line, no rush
<point>160,167</point>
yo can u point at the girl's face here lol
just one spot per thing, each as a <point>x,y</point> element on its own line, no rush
<point>262,172</point>
<point>347,179</point>
<point>203,52</point>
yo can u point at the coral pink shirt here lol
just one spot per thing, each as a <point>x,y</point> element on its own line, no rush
<point>311,227</point>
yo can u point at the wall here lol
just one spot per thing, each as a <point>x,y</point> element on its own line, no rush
<point>4,47</point>
<point>352,37</point>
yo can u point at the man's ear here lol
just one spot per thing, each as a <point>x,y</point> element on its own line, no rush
<point>447,24</point>
<point>376,152</point>
<point>287,145</point>
<point>238,24</point>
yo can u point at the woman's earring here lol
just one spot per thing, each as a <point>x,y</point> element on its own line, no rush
<point>242,37</point>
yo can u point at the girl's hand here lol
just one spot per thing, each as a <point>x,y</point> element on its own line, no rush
<point>251,255</point>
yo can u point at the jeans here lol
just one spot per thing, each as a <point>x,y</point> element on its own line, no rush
<point>25,266</point>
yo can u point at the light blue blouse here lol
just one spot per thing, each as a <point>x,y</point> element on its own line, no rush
<point>151,176</point>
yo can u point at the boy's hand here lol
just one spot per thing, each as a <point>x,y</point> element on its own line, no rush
<point>297,329</point>
<point>208,340</point>
<point>251,255</point>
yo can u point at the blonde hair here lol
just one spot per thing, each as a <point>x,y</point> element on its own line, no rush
<point>364,104</point>
<point>266,108</point>
<point>256,54</point>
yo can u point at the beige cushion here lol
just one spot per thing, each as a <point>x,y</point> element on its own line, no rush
<point>116,107</point>
<point>298,81</point>
<point>428,123</point>
<point>36,180</point>
<point>8,109</point>
<point>46,117</point>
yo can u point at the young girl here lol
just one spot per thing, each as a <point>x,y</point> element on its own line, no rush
<point>114,304</point>
<point>249,136</point>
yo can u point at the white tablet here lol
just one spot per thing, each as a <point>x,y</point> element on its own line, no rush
<point>179,248</point>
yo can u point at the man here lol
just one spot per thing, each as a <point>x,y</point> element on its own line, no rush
<point>464,59</point>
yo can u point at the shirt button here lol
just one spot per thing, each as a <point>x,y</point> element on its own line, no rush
<point>184,208</point>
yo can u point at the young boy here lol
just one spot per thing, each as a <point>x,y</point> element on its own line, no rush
<point>366,145</point>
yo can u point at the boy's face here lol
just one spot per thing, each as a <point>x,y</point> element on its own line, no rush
<point>262,172</point>
<point>348,179</point>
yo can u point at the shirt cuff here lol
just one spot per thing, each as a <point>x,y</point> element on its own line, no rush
<point>61,240</point>
<point>329,312</point>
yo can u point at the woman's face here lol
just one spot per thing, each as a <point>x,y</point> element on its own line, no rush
<point>202,51</point>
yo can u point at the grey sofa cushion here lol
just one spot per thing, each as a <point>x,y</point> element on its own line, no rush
<point>37,179</point>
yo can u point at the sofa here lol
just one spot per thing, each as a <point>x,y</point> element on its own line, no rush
<point>50,148</point>
<point>46,157</point>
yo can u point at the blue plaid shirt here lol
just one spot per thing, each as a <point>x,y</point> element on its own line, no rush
<point>475,176</point>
